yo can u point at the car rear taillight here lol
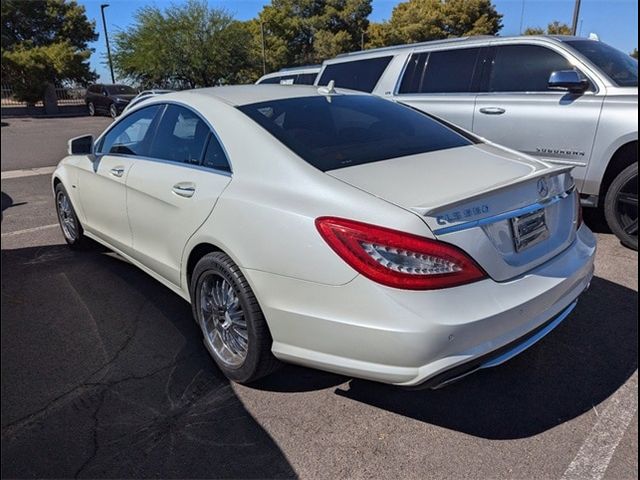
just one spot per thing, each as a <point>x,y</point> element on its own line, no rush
<point>398,259</point>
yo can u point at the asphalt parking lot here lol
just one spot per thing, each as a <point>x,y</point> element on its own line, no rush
<point>104,374</point>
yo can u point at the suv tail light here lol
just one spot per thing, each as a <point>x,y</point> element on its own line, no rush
<point>398,259</point>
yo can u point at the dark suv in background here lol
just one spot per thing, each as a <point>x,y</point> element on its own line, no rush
<point>108,99</point>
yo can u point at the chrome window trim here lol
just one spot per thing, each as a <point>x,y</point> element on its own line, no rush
<point>162,103</point>
<point>505,215</point>
<point>168,162</point>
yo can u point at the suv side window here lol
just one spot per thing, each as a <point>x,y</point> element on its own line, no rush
<point>131,135</point>
<point>444,71</point>
<point>360,75</point>
<point>180,137</point>
<point>524,68</point>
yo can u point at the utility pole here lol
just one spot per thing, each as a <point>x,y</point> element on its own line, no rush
<point>264,54</point>
<point>522,17</point>
<point>106,37</point>
<point>576,14</point>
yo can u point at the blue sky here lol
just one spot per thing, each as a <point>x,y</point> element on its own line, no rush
<point>615,21</point>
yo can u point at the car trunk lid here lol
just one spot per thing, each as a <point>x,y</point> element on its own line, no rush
<point>468,196</point>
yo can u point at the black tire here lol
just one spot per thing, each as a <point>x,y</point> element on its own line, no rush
<point>113,111</point>
<point>621,206</point>
<point>75,239</point>
<point>92,109</point>
<point>259,360</point>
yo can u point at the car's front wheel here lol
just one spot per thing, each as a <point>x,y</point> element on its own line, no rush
<point>234,328</point>
<point>113,110</point>
<point>92,109</point>
<point>621,206</point>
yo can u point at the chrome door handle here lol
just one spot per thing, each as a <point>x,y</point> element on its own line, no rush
<point>117,171</point>
<point>492,110</point>
<point>185,189</point>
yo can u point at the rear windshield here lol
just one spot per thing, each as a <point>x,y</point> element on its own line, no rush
<point>343,130</point>
<point>621,68</point>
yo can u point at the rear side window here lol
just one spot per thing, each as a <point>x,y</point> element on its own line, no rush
<point>449,71</point>
<point>214,156</point>
<point>181,136</point>
<point>271,80</point>
<point>360,75</point>
<point>346,130</point>
<point>131,135</point>
<point>306,78</point>
<point>524,68</point>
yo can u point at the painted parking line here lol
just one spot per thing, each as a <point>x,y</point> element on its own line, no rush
<point>27,172</point>
<point>596,452</point>
<point>29,230</point>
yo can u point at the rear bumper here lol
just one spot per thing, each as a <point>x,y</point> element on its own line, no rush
<point>366,330</point>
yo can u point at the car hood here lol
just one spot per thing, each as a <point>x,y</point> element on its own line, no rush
<point>127,97</point>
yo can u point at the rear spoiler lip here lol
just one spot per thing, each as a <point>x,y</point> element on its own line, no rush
<point>430,211</point>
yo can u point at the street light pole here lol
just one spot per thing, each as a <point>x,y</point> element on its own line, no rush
<point>106,37</point>
<point>576,14</point>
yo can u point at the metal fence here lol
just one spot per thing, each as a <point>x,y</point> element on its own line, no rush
<point>65,95</point>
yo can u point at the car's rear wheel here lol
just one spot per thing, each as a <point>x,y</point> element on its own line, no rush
<point>233,325</point>
<point>92,109</point>
<point>621,206</point>
<point>113,110</point>
<point>69,223</point>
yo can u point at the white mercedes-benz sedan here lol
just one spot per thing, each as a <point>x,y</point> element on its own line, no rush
<point>332,229</point>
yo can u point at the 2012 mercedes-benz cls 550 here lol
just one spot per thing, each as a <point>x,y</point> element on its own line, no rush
<point>332,229</point>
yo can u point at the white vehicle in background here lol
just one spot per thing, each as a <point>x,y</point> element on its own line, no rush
<point>564,100</point>
<point>143,95</point>
<point>292,76</point>
<point>332,229</point>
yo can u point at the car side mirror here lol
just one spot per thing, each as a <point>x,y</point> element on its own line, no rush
<point>568,80</point>
<point>80,145</point>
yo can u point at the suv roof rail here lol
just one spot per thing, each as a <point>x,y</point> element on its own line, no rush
<point>412,45</point>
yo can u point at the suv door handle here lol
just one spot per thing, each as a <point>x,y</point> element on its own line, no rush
<point>117,171</point>
<point>492,110</point>
<point>184,189</point>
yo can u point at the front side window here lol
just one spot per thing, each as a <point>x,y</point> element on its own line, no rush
<point>345,130</point>
<point>524,68</point>
<point>181,136</point>
<point>621,68</point>
<point>362,75</point>
<point>131,135</point>
<point>448,71</point>
<point>271,80</point>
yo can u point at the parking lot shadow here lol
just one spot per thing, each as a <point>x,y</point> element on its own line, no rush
<point>572,370</point>
<point>104,375</point>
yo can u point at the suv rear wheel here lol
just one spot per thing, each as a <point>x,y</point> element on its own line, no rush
<point>621,206</point>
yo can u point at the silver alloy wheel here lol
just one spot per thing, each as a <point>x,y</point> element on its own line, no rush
<point>113,110</point>
<point>92,109</point>
<point>66,217</point>
<point>222,321</point>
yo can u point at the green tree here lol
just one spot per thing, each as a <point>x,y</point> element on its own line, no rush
<point>422,20</point>
<point>554,28</point>
<point>634,54</point>
<point>298,32</point>
<point>188,45</point>
<point>44,42</point>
